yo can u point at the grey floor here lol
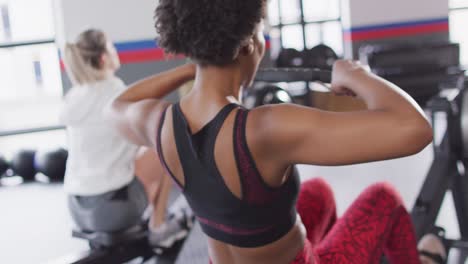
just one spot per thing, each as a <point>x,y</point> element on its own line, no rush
<point>35,225</point>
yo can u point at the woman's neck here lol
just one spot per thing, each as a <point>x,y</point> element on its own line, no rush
<point>215,85</point>
<point>107,74</point>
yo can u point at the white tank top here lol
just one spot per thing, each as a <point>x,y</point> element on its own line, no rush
<point>99,160</point>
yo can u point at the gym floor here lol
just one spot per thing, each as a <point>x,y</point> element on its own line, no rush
<point>36,227</point>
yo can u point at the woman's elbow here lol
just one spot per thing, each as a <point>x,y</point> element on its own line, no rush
<point>420,135</point>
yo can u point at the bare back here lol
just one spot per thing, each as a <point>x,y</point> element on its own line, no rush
<point>290,244</point>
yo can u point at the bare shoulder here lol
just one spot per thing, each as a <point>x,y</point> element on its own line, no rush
<point>271,118</point>
<point>271,128</point>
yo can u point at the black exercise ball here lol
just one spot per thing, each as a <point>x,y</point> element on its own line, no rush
<point>52,163</point>
<point>4,166</point>
<point>22,164</point>
<point>320,56</point>
<point>290,58</point>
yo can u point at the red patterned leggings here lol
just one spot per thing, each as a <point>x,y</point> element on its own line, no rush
<point>375,224</point>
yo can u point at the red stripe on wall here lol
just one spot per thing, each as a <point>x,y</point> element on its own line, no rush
<point>152,55</point>
<point>396,32</point>
<point>142,56</point>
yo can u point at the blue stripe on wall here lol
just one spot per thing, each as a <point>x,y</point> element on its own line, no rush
<point>397,25</point>
<point>136,45</point>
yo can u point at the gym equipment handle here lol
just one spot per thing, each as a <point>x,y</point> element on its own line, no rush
<point>293,75</point>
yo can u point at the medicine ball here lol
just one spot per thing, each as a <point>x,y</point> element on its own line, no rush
<point>290,58</point>
<point>22,164</point>
<point>52,163</point>
<point>4,166</point>
<point>320,56</point>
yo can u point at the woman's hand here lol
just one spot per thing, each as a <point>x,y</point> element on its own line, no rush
<point>343,72</point>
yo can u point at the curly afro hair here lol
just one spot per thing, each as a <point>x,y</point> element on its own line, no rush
<point>210,32</point>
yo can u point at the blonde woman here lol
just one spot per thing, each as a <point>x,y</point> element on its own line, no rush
<point>104,193</point>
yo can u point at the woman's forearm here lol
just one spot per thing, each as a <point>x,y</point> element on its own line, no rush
<point>159,85</point>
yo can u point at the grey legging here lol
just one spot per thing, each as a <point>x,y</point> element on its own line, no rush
<point>111,211</point>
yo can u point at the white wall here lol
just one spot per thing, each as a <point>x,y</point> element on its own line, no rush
<point>357,13</point>
<point>122,20</point>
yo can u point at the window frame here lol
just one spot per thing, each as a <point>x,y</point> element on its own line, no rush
<point>14,44</point>
<point>5,45</point>
<point>303,23</point>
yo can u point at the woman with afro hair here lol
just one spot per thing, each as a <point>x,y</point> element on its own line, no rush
<point>236,166</point>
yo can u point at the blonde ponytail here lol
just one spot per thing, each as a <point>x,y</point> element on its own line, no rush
<point>78,70</point>
<point>83,58</point>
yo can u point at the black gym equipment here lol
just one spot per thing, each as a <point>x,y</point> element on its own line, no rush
<point>27,163</point>
<point>120,247</point>
<point>22,164</point>
<point>320,56</point>
<point>4,166</point>
<point>275,75</point>
<point>52,163</point>
<point>288,58</point>
<point>124,246</point>
<point>420,70</point>
<point>116,247</point>
<point>449,170</point>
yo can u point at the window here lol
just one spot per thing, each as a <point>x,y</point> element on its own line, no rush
<point>30,77</point>
<point>458,21</point>
<point>30,81</point>
<point>301,24</point>
<point>26,20</point>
